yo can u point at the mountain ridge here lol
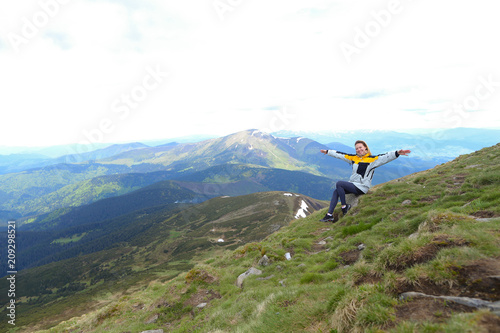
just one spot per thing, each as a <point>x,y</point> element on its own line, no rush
<point>23,162</point>
<point>425,232</point>
<point>34,191</point>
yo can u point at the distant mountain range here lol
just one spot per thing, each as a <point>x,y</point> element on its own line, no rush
<point>130,167</point>
<point>446,143</point>
<point>20,162</point>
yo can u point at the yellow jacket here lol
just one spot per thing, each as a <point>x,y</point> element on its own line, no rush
<point>363,167</point>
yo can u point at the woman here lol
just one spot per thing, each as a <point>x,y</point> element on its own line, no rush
<point>363,166</point>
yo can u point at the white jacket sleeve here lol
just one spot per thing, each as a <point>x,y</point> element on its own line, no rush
<point>385,158</point>
<point>339,155</point>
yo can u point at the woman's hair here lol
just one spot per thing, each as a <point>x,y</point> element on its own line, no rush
<point>364,144</point>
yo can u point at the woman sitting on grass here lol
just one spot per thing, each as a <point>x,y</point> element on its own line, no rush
<point>363,166</point>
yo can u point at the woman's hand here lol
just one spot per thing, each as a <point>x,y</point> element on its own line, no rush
<point>324,151</point>
<point>404,152</point>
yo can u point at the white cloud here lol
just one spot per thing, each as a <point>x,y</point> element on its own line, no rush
<point>227,75</point>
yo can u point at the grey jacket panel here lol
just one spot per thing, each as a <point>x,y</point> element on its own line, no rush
<point>363,167</point>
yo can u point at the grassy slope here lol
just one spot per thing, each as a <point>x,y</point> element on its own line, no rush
<point>164,246</point>
<point>333,286</point>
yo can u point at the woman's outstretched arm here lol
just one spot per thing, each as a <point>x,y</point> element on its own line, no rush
<point>390,156</point>
<point>337,154</point>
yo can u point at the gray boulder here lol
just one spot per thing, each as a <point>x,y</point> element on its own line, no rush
<point>243,276</point>
<point>467,301</point>
<point>352,199</point>
<point>264,261</point>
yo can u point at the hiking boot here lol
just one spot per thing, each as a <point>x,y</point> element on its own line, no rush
<point>346,209</point>
<point>327,218</point>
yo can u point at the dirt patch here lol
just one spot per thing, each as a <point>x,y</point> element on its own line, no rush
<point>490,323</point>
<point>369,278</point>
<point>426,252</point>
<point>320,231</point>
<point>459,179</point>
<point>395,217</point>
<point>202,296</point>
<point>426,286</point>
<point>427,309</point>
<point>286,303</point>
<point>316,248</point>
<point>138,307</point>
<point>484,214</point>
<point>349,257</point>
<point>319,245</point>
<point>162,303</point>
<point>430,199</point>
<point>478,279</point>
<point>438,311</point>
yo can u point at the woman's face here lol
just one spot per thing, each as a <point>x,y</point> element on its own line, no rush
<point>360,149</point>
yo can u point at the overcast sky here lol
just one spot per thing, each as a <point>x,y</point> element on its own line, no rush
<point>114,71</point>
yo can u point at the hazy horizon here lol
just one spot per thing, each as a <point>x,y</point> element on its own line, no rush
<point>8,150</point>
<point>123,71</point>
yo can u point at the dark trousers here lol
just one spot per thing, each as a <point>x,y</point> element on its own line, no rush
<point>342,187</point>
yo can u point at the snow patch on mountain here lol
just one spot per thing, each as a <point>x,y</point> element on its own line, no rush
<point>302,210</point>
